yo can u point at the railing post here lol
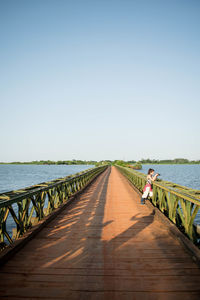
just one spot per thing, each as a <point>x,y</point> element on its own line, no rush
<point>181,208</point>
<point>31,202</point>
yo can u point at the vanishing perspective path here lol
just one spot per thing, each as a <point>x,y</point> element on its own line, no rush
<point>104,245</point>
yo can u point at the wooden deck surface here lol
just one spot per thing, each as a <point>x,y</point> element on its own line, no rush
<point>105,245</point>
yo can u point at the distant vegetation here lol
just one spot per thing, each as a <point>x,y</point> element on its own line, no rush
<point>136,166</point>
<point>169,161</point>
<point>130,163</point>
<point>103,162</point>
<point>59,162</point>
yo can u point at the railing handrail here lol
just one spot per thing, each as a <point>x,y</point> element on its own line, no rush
<point>7,199</point>
<point>32,204</point>
<point>181,208</point>
<point>167,188</point>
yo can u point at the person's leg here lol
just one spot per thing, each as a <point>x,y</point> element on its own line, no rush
<point>145,195</point>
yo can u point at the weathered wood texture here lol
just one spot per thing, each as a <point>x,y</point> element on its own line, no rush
<point>105,245</point>
<point>180,206</point>
<point>22,209</point>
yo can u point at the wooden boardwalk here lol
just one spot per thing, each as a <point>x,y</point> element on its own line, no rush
<point>105,245</point>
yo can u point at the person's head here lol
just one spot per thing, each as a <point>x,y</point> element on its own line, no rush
<point>150,171</point>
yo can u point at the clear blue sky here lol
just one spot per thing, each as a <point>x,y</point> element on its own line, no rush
<point>99,79</point>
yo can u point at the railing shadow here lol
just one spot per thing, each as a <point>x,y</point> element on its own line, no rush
<point>74,244</point>
<point>70,238</point>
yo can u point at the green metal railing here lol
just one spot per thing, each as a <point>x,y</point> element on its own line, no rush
<point>21,209</point>
<point>178,203</point>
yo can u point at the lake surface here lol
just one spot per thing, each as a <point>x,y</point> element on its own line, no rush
<point>13,177</point>
<point>186,175</point>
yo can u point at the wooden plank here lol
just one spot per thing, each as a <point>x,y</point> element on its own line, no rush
<point>108,246</point>
<point>111,270</point>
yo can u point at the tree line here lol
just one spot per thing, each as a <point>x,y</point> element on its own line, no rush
<point>111,162</point>
<point>51,162</point>
<point>169,161</point>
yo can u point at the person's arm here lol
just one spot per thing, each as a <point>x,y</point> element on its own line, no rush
<point>153,178</point>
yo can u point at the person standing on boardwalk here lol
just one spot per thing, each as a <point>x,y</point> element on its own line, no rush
<point>148,187</point>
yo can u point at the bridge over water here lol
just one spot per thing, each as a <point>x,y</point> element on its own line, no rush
<point>103,245</point>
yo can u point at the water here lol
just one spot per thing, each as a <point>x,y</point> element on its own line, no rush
<point>13,177</point>
<point>186,175</point>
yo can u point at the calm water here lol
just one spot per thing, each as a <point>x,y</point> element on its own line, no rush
<point>14,177</point>
<point>187,175</point>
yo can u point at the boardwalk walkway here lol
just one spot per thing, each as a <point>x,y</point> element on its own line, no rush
<point>105,245</point>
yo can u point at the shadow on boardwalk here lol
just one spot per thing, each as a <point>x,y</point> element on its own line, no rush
<point>72,235</point>
<point>71,258</point>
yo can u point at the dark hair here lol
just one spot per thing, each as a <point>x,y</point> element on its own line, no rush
<point>150,170</point>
